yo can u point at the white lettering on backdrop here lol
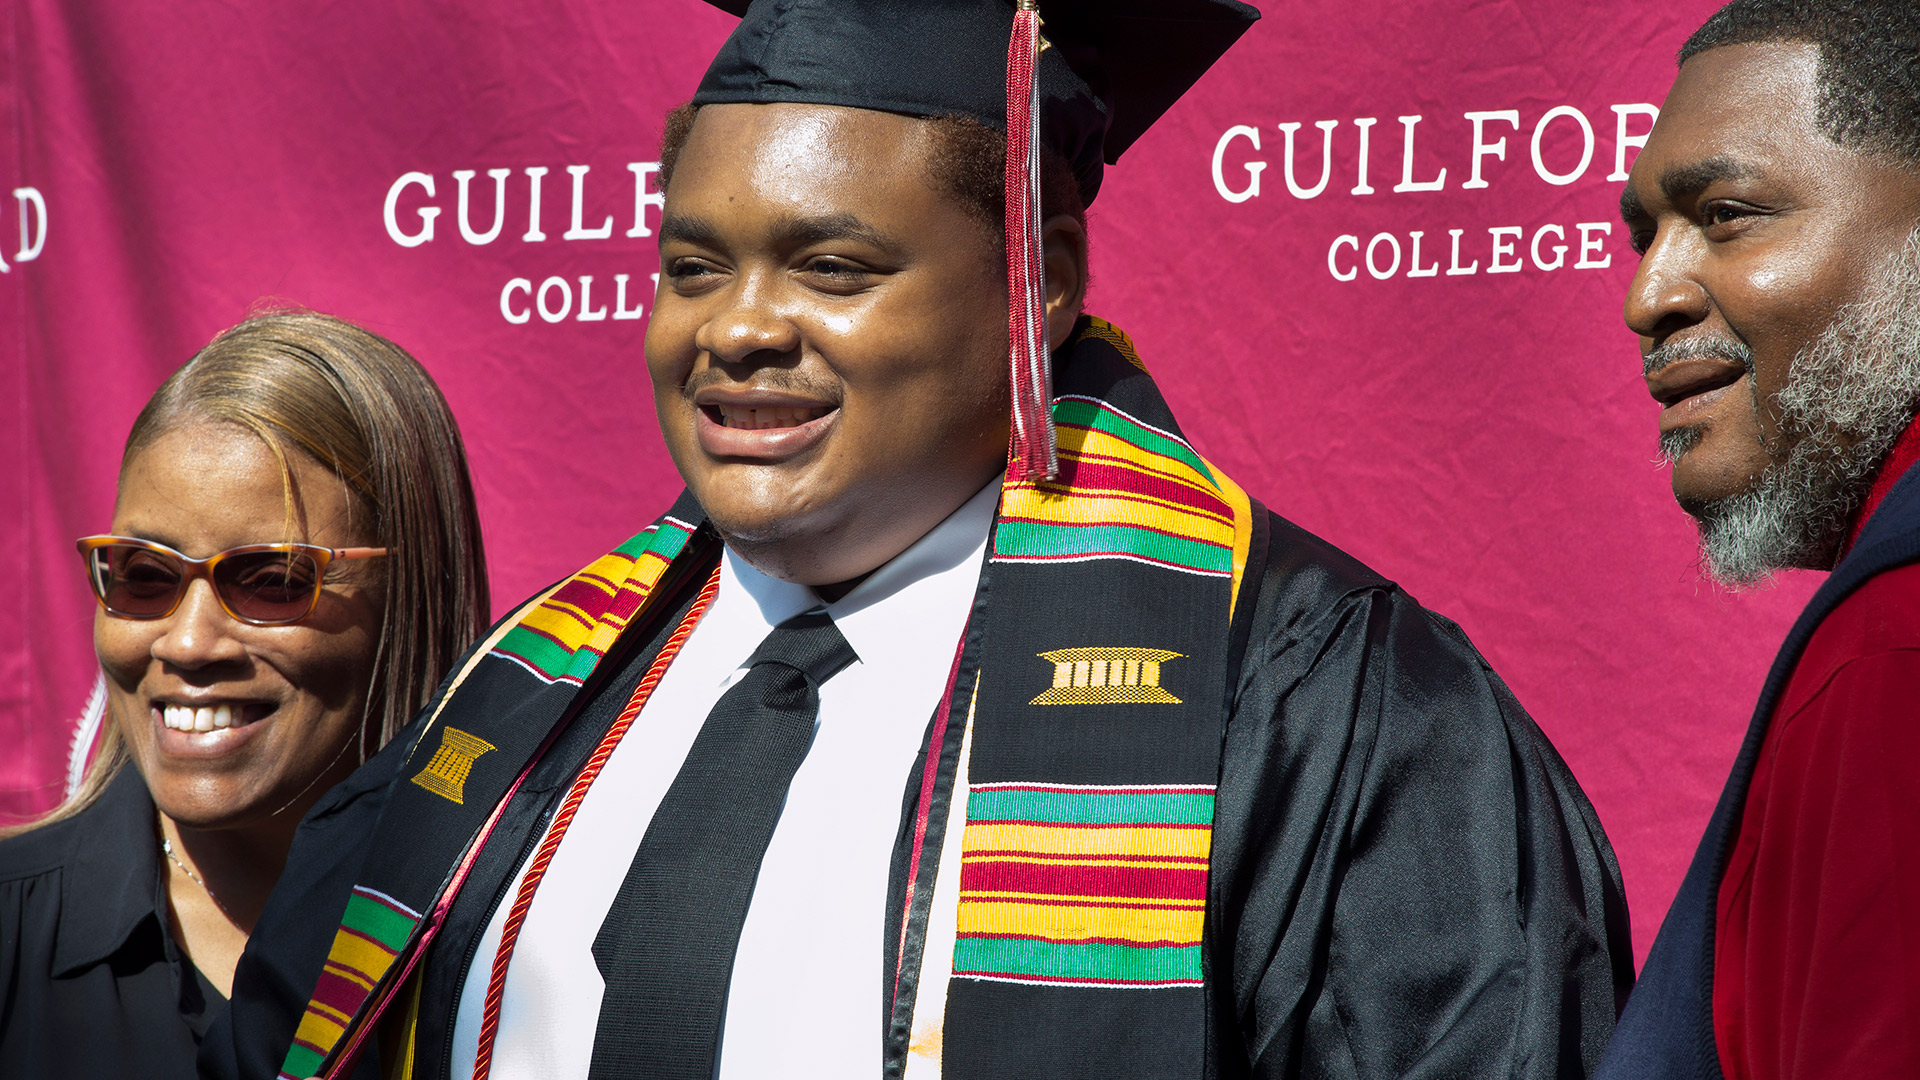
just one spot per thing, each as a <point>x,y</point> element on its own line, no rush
<point>412,206</point>
<point>33,227</point>
<point>1562,145</point>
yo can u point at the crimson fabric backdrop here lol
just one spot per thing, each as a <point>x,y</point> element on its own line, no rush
<point>1373,258</point>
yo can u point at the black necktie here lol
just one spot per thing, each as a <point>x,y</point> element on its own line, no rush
<point>666,949</point>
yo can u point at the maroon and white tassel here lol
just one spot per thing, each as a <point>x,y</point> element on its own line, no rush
<point>1032,453</point>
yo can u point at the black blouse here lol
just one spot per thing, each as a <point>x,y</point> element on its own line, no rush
<point>92,983</point>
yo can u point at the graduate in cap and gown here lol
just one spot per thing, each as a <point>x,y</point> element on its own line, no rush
<point>959,720</point>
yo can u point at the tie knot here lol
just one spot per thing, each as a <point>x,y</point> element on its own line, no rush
<point>808,643</point>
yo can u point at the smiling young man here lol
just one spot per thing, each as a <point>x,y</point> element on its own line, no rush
<point>1777,209</point>
<point>889,750</point>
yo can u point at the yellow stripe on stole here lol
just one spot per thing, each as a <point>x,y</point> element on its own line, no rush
<point>1069,922</point>
<point>1119,452</point>
<point>1136,841</point>
<point>984,895</point>
<point>317,1030</point>
<point>328,1012</point>
<point>403,1065</point>
<point>612,567</point>
<point>1055,494</point>
<point>348,974</point>
<point>1093,504</point>
<point>359,955</point>
<point>1242,506</point>
<point>559,625</point>
<point>564,621</point>
<point>641,578</point>
<point>585,617</point>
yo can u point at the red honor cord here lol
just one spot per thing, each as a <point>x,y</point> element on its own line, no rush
<point>537,869</point>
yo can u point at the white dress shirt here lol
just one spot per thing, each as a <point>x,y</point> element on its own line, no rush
<point>805,997</point>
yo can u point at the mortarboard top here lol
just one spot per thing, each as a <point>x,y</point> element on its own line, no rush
<point>1114,66</point>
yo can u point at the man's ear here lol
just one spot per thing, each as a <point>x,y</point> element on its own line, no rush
<point>1063,247</point>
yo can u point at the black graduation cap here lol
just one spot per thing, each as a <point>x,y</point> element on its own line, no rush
<point>1114,66</point>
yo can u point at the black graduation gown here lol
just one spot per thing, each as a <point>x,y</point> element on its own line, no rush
<point>1406,880</point>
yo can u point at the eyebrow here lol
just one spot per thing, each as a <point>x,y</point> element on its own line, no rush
<point>1683,182</point>
<point>790,231</point>
<point>682,229</point>
<point>802,231</point>
<point>1631,209</point>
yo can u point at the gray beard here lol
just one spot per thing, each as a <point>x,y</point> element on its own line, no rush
<point>1849,396</point>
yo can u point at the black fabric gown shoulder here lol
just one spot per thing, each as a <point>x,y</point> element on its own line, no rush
<point>92,983</point>
<point>1407,880</point>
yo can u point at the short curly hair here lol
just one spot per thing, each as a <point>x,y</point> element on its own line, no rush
<point>969,162</point>
<point>1869,63</point>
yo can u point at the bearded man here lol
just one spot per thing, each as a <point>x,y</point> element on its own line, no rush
<point>888,750</point>
<point>1776,207</point>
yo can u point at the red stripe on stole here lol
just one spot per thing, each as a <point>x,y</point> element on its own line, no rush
<point>612,584</point>
<point>536,631</point>
<point>593,600</point>
<point>579,594</point>
<point>1114,481</point>
<point>1134,882</point>
<point>1055,858</point>
<point>1143,461</point>
<point>339,993</point>
<point>1184,481</point>
<point>624,605</point>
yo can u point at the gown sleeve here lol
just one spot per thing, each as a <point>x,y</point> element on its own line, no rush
<point>1409,880</point>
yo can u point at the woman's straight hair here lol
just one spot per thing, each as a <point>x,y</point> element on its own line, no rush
<point>365,410</point>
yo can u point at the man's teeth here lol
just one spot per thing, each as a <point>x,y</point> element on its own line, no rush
<point>186,718</point>
<point>736,417</point>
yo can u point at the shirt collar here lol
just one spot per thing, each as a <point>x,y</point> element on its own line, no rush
<point>941,569</point>
<point>112,877</point>
<point>955,543</point>
<point>1903,456</point>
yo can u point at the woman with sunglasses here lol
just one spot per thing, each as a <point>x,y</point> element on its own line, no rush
<point>293,565</point>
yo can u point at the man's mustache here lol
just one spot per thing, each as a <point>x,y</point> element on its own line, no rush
<point>1697,348</point>
<point>777,380</point>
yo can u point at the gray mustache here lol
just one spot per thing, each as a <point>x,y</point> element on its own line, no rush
<point>1699,348</point>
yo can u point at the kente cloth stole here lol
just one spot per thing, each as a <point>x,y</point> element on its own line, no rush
<point>1056,897</point>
